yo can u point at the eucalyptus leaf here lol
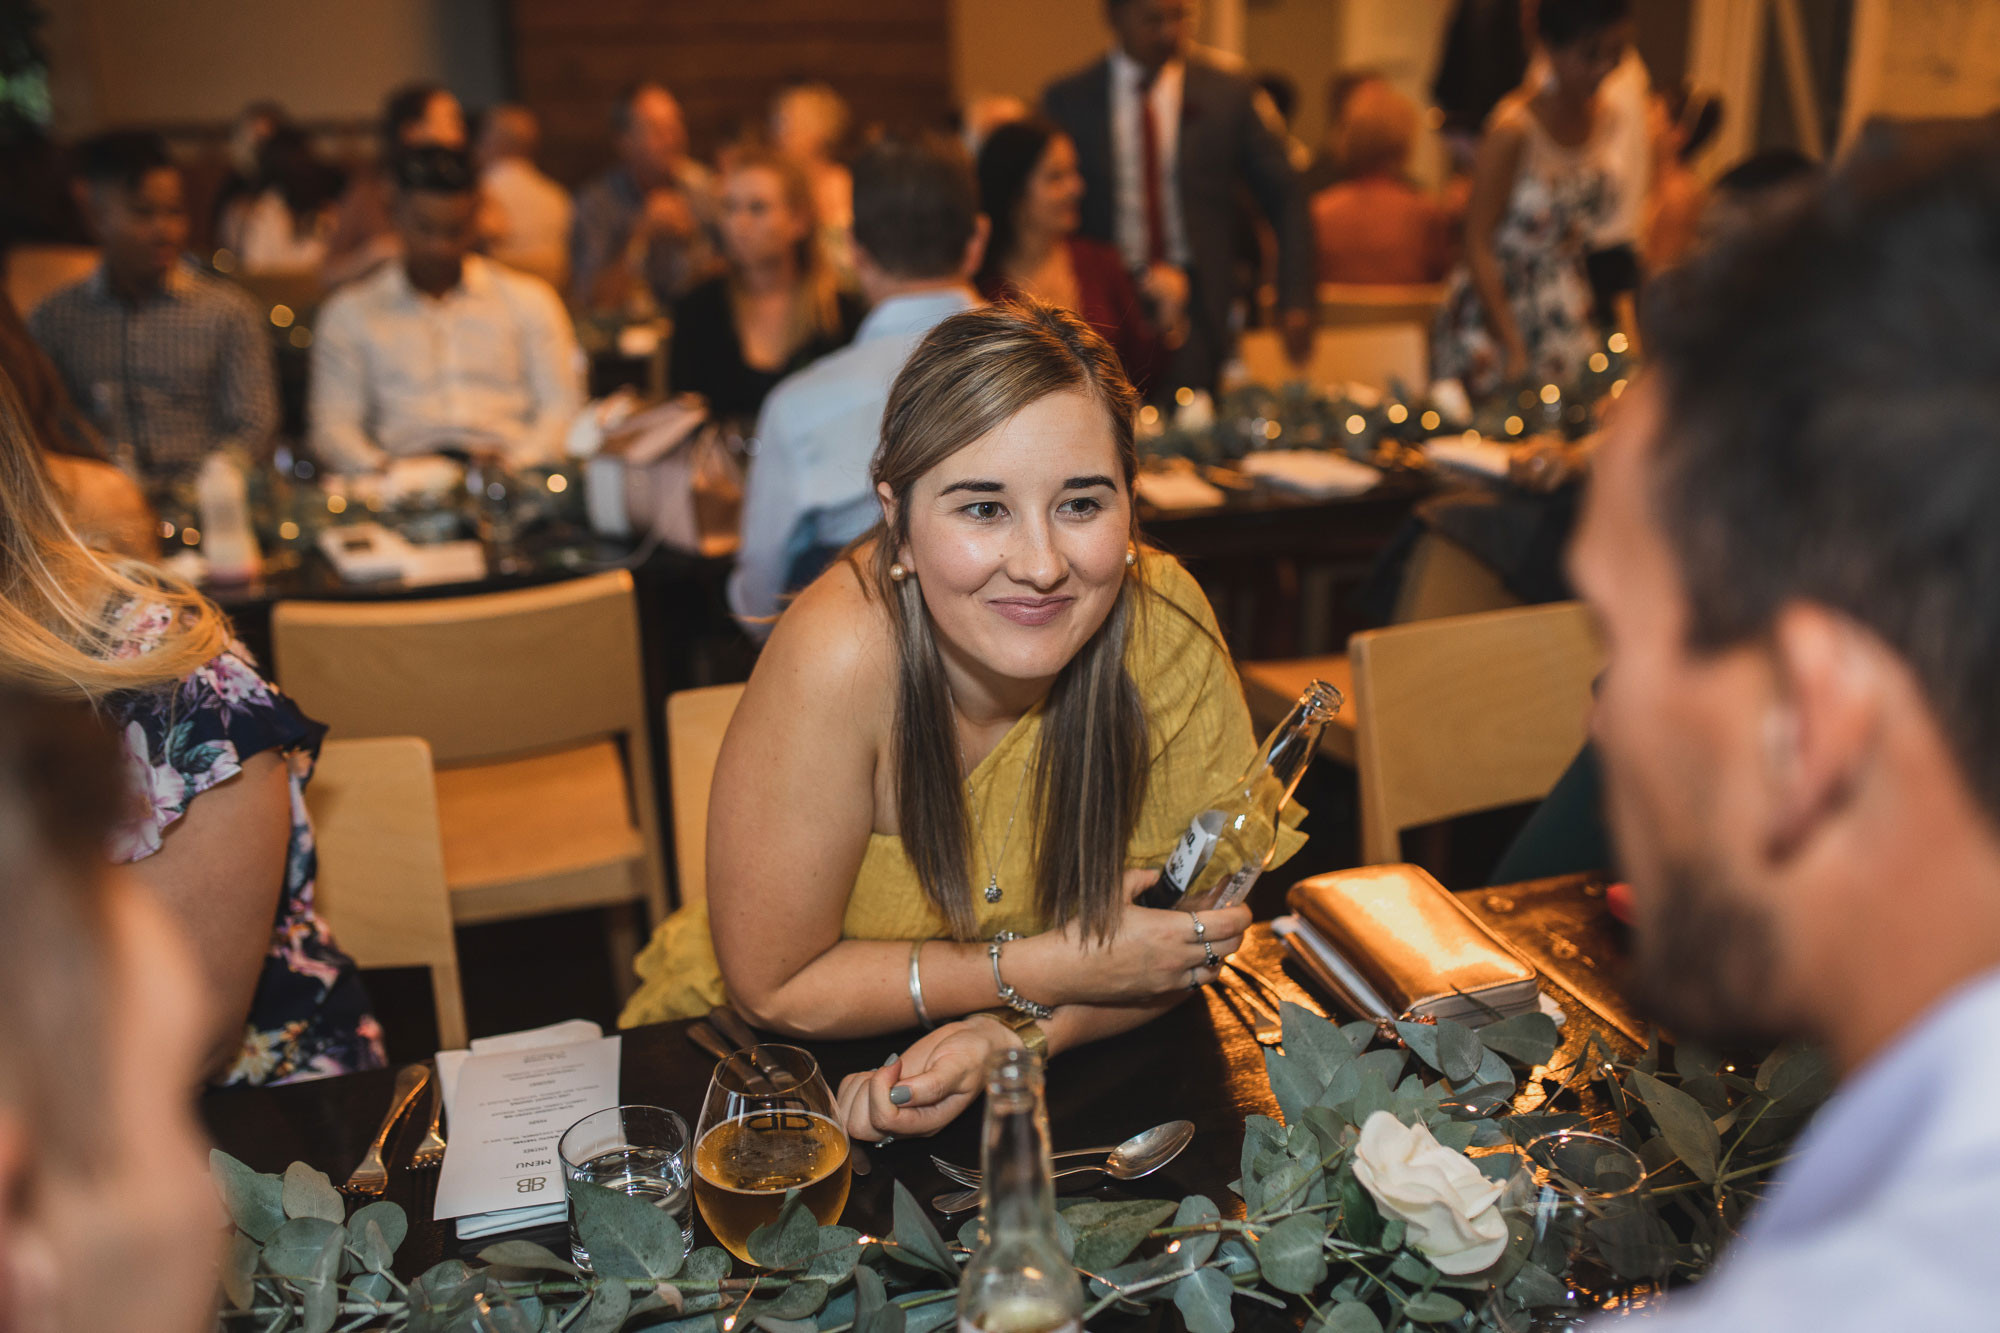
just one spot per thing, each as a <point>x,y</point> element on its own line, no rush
<point>370,1287</point>
<point>1413,1267</point>
<point>1203,1300</point>
<point>873,1312</point>
<point>1346,1317</point>
<point>255,1200</point>
<point>917,1241</point>
<point>925,1318</point>
<point>774,1325</point>
<point>973,1235</point>
<point>1310,1038</point>
<point>1459,1050</point>
<point>610,1302</point>
<point>320,1291</point>
<point>1685,1126</point>
<point>1537,1286</point>
<point>1361,1033</point>
<point>788,1240</point>
<point>710,1263</point>
<point>1288,1185</point>
<point>297,1245</point>
<point>526,1256</point>
<point>839,1250</point>
<point>1194,1249</point>
<point>1293,1083</point>
<point>369,1247</point>
<point>1394,1230</point>
<point>1493,1073</point>
<point>1292,1254</point>
<point>625,1235</point>
<point>390,1217</point>
<point>1359,1220</point>
<point>803,1298</point>
<point>1108,1231</point>
<point>1387,1063</point>
<point>1432,1307</point>
<point>1531,1039</point>
<point>1237,1260</point>
<point>1795,1076</point>
<point>1066,1237</point>
<point>239,1271</point>
<point>308,1193</point>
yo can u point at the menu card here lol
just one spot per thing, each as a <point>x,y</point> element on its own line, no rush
<point>510,1098</point>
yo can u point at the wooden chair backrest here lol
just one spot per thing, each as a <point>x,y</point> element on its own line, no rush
<point>1372,355</point>
<point>1445,579</point>
<point>1467,713</point>
<point>1343,304</point>
<point>381,879</point>
<point>478,677</point>
<point>696,723</point>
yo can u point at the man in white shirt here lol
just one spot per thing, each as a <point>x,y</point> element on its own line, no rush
<point>918,238</point>
<point>531,213</point>
<point>442,349</point>
<point>1790,545</point>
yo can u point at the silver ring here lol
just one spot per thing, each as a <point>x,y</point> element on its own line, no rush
<point>1200,928</point>
<point>1208,954</point>
<point>885,1140</point>
<point>1194,978</point>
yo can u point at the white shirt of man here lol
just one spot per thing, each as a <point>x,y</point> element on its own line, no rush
<point>491,364</point>
<point>533,219</point>
<point>1128,158</point>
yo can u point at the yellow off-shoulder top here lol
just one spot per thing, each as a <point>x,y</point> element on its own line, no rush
<point>1198,730</point>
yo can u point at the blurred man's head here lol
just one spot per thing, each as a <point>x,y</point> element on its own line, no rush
<point>1791,547</point>
<point>652,134</point>
<point>437,215</point>
<point>421,115</point>
<point>130,190</point>
<point>509,130</point>
<point>916,214</point>
<point>1152,32</point>
<point>107,1219</point>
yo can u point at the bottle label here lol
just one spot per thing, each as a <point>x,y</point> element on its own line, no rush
<point>1230,891</point>
<point>1001,1325</point>
<point>1191,853</point>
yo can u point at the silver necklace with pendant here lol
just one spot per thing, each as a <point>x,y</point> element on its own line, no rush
<point>993,890</point>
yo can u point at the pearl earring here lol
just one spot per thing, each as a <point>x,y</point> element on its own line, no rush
<point>897,573</point>
<point>1131,557</point>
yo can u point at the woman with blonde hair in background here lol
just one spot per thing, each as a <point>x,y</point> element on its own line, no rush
<point>776,308</point>
<point>966,743</point>
<point>217,760</point>
<point>809,123</point>
<point>1376,225</point>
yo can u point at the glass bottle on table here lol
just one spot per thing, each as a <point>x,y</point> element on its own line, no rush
<point>1020,1281</point>
<point>1227,846</point>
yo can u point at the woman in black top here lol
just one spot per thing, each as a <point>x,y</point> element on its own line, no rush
<point>775,309</point>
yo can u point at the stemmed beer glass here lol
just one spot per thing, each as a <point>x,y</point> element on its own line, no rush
<point>768,1126</point>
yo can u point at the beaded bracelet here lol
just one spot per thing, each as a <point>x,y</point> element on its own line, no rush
<point>1010,997</point>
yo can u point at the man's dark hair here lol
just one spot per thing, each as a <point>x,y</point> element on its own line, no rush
<point>404,108</point>
<point>1831,424</point>
<point>433,171</point>
<point>1565,22</point>
<point>621,109</point>
<point>121,159</point>
<point>915,205</point>
<point>1766,170</point>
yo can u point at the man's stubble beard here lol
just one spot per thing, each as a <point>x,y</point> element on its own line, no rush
<point>1705,962</point>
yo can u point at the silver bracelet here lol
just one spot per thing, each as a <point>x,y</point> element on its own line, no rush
<point>1010,997</point>
<point>917,984</point>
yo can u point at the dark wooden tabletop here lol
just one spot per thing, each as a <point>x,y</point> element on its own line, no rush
<point>1198,1063</point>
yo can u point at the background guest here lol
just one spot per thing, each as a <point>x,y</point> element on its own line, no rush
<point>809,123</point>
<point>532,213</point>
<point>1164,140</point>
<point>1683,123</point>
<point>1520,305</point>
<point>217,762</point>
<point>1376,225</point>
<point>417,115</point>
<point>979,117</point>
<point>283,227</point>
<point>171,365</point>
<point>1484,58</point>
<point>918,236</point>
<point>1030,190</point>
<point>107,1212</point>
<point>442,348</point>
<point>644,230</point>
<point>775,308</point>
<point>244,179</point>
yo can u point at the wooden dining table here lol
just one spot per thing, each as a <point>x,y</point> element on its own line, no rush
<point>1199,1062</point>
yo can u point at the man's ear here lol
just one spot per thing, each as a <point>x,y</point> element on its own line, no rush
<point>1826,715</point>
<point>975,249</point>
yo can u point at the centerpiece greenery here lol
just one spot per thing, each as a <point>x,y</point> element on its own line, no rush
<point>1362,1211</point>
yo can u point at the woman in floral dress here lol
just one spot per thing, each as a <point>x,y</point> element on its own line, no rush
<point>218,760</point>
<point>1519,307</point>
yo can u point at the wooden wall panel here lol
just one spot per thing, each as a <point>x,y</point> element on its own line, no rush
<point>891,59</point>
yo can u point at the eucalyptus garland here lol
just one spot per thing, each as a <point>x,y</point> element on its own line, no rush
<point>1321,1235</point>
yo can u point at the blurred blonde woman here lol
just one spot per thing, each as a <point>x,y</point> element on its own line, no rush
<point>1376,225</point>
<point>778,305</point>
<point>217,760</point>
<point>809,123</point>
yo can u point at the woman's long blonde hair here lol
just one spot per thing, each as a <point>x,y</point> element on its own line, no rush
<point>64,608</point>
<point>971,374</point>
<point>816,299</point>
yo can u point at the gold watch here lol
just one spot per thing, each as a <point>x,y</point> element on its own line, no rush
<point>1023,1026</point>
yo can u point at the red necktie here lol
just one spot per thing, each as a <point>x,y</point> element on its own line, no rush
<point>1149,164</point>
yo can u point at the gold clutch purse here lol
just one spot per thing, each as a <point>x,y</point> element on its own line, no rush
<point>1391,942</point>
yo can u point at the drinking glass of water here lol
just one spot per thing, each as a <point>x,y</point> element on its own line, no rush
<point>637,1150</point>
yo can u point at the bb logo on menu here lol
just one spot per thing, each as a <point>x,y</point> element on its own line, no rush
<point>530,1184</point>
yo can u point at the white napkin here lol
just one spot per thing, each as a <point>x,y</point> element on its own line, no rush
<point>1177,489</point>
<point>1487,458</point>
<point>1312,472</point>
<point>449,1063</point>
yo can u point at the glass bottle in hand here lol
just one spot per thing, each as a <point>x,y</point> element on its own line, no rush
<point>1226,847</point>
<point>1020,1281</point>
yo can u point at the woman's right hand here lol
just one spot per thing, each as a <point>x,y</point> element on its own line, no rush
<point>1152,953</point>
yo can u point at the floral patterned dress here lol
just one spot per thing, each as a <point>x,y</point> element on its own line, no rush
<point>1560,196</point>
<point>310,1015</point>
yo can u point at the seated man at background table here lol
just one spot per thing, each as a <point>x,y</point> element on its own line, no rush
<point>918,237</point>
<point>644,230</point>
<point>442,349</point>
<point>107,1216</point>
<point>170,364</point>
<point>1790,545</point>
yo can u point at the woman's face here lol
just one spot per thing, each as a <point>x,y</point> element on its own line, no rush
<point>1055,191</point>
<point>758,225</point>
<point>1018,540</point>
<point>1584,63</point>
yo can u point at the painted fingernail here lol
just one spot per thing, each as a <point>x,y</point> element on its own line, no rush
<point>899,1095</point>
<point>893,1057</point>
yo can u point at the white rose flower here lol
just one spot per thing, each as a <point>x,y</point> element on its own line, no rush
<point>1452,1211</point>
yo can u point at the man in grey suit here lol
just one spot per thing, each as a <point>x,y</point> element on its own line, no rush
<point>1164,139</point>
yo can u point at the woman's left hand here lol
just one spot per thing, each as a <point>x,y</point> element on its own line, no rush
<point>941,1074</point>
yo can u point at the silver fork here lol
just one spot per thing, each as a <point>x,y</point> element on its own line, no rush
<point>430,1153</point>
<point>1264,1023</point>
<point>372,1177</point>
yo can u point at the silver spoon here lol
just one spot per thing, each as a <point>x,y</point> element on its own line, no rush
<point>1140,1155</point>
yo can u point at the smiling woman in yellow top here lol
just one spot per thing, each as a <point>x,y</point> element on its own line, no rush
<point>985,723</point>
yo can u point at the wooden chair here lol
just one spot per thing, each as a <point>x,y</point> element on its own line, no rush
<point>696,723</point>
<point>1443,579</point>
<point>1346,304</point>
<point>1467,713</point>
<point>1372,355</point>
<point>381,879</point>
<point>533,702</point>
